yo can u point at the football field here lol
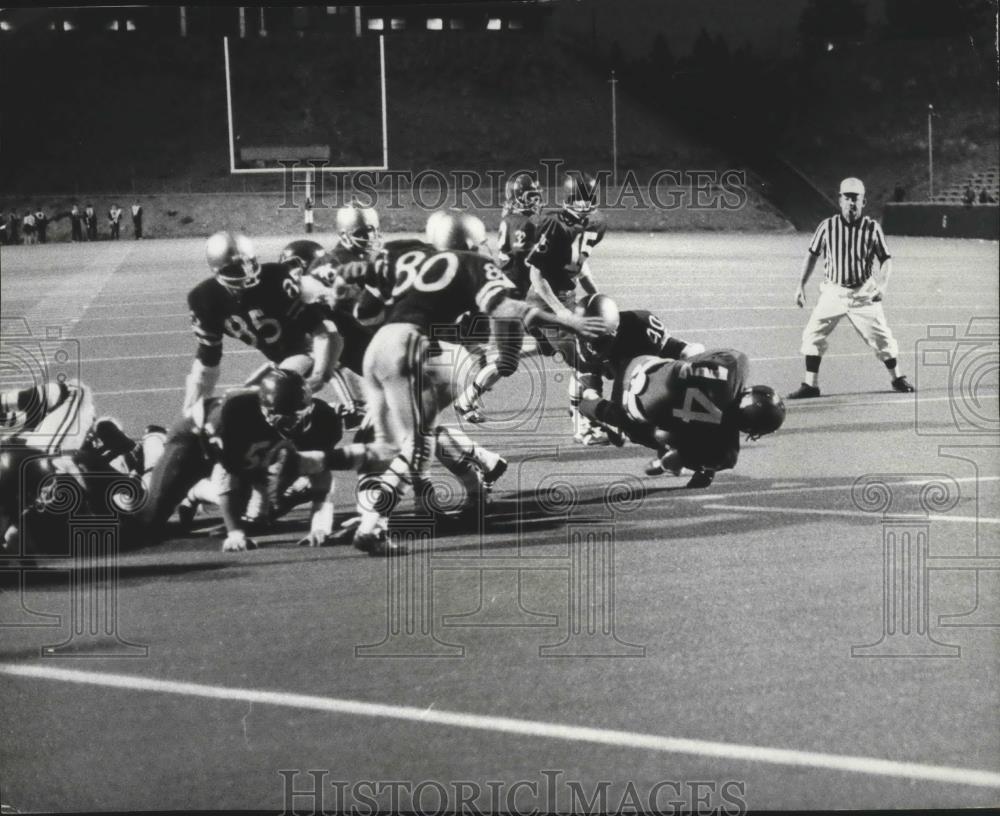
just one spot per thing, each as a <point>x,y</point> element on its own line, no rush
<point>818,628</point>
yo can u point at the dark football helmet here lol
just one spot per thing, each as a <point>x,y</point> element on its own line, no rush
<point>523,195</point>
<point>300,253</point>
<point>285,401</point>
<point>233,260</point>
<point>761,411</point>
<point>359,228</point>
<point>454,229</point>
<point>579,194</point>
<point>592,351</point>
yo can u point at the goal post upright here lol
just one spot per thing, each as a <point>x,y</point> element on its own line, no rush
<point>234,170</point>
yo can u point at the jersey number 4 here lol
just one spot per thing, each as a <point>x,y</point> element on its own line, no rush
<point>697,406</point>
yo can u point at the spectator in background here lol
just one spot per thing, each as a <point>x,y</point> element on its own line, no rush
<point>76,224</point>
<point>90,220</point>
<point>14,227</point>
<point>137,219</point>
<point>114,221</point>
<point>28,227</point>
<point>985,197</point>
<point>307,214</point>
<point>969,196</point>
<point>42,226</point>
<point>3,230</point>
<point>899,194</point>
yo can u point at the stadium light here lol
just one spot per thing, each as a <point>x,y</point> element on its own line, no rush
<point>376,24</point>
<point>614,130</point>
<point>435,24</point>
<point>495,24</point>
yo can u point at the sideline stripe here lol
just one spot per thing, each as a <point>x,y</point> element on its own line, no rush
<point>855,514</point>
<point>531,728</point>
<point>770,491</point>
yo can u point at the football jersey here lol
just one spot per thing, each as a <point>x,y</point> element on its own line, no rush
<point>561,246</point>
<point>515,238</point>
<point>269,316</point>
<point>433,288</point>
<point>639,332</point>
<point>243,440</point>
<point>695,400</point>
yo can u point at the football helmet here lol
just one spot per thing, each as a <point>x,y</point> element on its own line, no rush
<point>523,195</point>
<point>761,411</point>
<point>454,229</point>
<point>579,194</point>
<point>605,308</point>
<point>359,228</point>
<point>301,253</point>
<point>285,401</point>
<point>233,260</point>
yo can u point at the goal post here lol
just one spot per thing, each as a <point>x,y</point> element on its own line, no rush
<point>311,166</point>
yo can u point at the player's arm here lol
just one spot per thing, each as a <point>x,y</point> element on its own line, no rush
<point>815,249</point>
<point>588,327</point>
<point>545,292</point>
<point>586,279</point>
<point>885,264</point>
<point>204,374</point>
<point>327,344</point>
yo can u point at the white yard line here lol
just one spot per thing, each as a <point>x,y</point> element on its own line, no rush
<point>855,514</point>
<point>530,728</point>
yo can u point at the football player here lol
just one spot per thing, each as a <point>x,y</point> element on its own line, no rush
<point>258,304</point>
<point>633,333</point>
<point>407,382</point>
<point>691,411</point>
<point>231,442</point>
<point>515,237</point>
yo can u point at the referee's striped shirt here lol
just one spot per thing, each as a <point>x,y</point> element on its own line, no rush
<point>849,249</point>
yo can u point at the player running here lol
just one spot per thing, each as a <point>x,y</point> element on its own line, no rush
<point>407,382</point>
<point>504,339</point>
<point>691,411</point>
<point>258,304</point>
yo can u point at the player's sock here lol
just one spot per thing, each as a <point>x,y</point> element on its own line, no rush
<point>892,364</point>
<point>812,370</point>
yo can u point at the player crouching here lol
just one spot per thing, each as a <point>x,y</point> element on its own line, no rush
<point>268,437</point>
<point>690,411</point>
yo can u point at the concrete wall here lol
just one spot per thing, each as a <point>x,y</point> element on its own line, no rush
<point>943,220</point>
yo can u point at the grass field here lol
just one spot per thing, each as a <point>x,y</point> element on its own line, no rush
<point>726,657</point>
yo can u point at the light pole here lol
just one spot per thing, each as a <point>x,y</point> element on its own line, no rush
<point>930,150</point>
<point>614,131</point>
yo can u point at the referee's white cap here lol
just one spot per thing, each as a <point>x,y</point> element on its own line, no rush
<point>852,185</point>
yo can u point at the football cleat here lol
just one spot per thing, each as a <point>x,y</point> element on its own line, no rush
<point>804,391</point>
<point>902,385</point>
<point>377,544</point>
<point>493,475</point>
<point>701,478</point>
<point>470,413</point>
<point>591,437</point>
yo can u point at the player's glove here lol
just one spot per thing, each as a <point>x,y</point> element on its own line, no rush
<point>237,541</point>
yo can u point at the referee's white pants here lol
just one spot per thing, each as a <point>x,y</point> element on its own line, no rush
<point>868,319</point>
<point>64,429</point>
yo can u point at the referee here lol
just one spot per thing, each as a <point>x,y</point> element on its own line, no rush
<point>850,243</point>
